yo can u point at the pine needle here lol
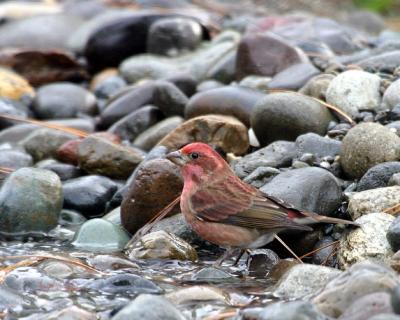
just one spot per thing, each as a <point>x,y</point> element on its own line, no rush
<point>222,316</point>
<point>319,249</point>
<point>393,210</point>
<point>287,248</point>
<point>76,132</point>
<point>6,170</point>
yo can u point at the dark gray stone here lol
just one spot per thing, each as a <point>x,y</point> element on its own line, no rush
<point>317,145</point>
<point>15,159</point>
<point>64,170</point>
<point>393,235</point>
<point>311,189</point>
<point>378,176</point>
<point>125,283</point>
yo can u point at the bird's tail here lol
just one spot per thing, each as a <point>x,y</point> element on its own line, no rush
<point>311,217</point>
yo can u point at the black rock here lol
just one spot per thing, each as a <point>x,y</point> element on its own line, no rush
<point>393,235</point>
<point>88,195</point>
<point>261,261</point>
<point>378,176</point>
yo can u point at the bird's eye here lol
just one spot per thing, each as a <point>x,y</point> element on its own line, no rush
<point>194,155</point>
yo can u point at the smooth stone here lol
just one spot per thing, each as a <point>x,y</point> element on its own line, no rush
<point>374,200</point>
<point>155,185</point>
<point>393,234</point>
<point>387,62</point>
<point>13,86</point>
<point>368,306</point>
<point>15,159</point>
<point>68,152</point>
<point>224,70</point>
<point>359,280</point>
<point>184,82</point>
<point>226,133</point>
<point>293,77</point>
<point>368,241</point>
<point>317,145</point>
<point>32,281</point>
<point>294,310</point>
<point>125,283</point>
<point>228,100</point>
<point>265,55</point>
<point>211,274</point>
<point>10,298</point>
<point>277,154</point>
<point>130,126</point>
<point>70,313</point>
<point>149,307</point>
<point>151,136</point>
<point>365,20</point>
<point>63,100</point>
<point>29,32</point>
<point>8,108</point>
<point>161,245</point>
<point>30,202</point>
<point>394,180</point>
<point>174,36</point>
<point>303,280</point>
<point>395,299</point>
<point>325,256</point>
<point>43,143</point>
<point>311,189</point>
<point>99,156</point>
<point>164,95</point>
<point>317,86</point>
<point>57,269</point>
<point>353,91</point>
<point>261,176</point>
<point>65,171</point>
<point>71,219</point>
<point>106,84</point>
<point>285,116</point>
<point>255,82</point>
<point>88,195</point>
<point>261,261</point>
<point>99,235</point>
<point>391,97</point>
<point>114,215</point>
<point>198,294</point>
<point>385,316</point>
<point>378,176</point>
<point>366,145</point>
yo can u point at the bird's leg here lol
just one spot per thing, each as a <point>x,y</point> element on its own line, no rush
<point>241,253</point>
<point>221,259</point>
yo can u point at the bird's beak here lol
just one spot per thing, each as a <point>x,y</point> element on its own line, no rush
<point>177,158</point>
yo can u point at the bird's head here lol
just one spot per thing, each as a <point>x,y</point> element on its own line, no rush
<point>197,160</point>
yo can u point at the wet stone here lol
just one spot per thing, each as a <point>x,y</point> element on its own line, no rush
<point>71,219</point>
<point>367,145</point>
<point>211,274</point>
<point>285,116</point>
<point>64,170</point>
<point>99,156</point>
<point>261,261</point>
<point>99,235</point>
<point>88,195</point>
<point>63,100</point>
<point>161,245</point>
<point>125,283</point>
<point>30,202</point>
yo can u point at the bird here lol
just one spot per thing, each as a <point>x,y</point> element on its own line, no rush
<point>228,212</point>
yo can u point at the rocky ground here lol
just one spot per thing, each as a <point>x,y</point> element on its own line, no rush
<point>302,98</point>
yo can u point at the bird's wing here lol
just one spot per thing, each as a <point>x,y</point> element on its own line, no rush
<point>236,203</point>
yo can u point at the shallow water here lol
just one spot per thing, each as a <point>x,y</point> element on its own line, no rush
<point>53,285</point>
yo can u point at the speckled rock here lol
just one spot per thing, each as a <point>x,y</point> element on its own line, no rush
<point>30,202</point>
<point>375,200</point>
<point>13,86</point>
<point>378,176</point>
<point>367,145</point>
<point>367,242</point>
<point>303,280</point>
<point>161,245</point>
<point>391,97</point>
<point>285,116</point>
<point>354,90</point>
<point>99,156</point>
<point>358,281</point>
<point>219,131</point>
<point>317,145</point>
<point>317,86</point>
<point>155,184</point>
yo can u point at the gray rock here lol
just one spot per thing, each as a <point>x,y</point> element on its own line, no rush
<point>114,216</point>
<point>367,145</point>
<point>391,97</point>
<point>130,126</point>
<point>354,90</point>
<point>311,189</point>
<point>368,241</point>
<point>161,245</point>
<point>277,154</point>
<point>30,202</point>
<point>64,170</point>
<point>100,235</point>
<point>11,299</point>
<point>395,299</point>
<point>285,116</point>
<point>387,61</point>
<point>63,100</point>
<point>378,176</point>
<point>393,235</point>
<point>211,274</point>
<point>317,86</point>
<point>15,159</point>
<point>149,307</point>
<point>358,281</point>
<point>317,145</point>
<point>385,316</point>
<point>150,137</point>
<point>43,143</point>
<point>261,261</point>
<point>261,176</point>
<point>368,306</point>
<point>295,310</point>
<point>303,281</point>
<point>375,200</point>
<point>88,195</point>
<point>125,283</point>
